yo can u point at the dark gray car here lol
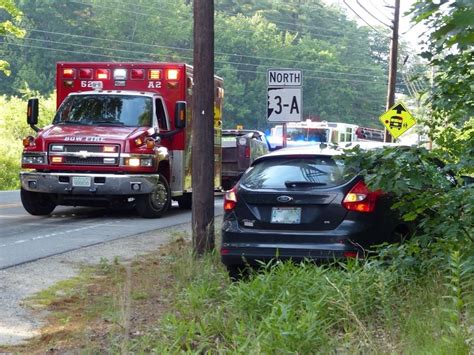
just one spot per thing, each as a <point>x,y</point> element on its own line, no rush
<point>299,203</point>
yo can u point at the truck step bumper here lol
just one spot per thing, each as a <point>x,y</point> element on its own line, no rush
<point>83,184</point>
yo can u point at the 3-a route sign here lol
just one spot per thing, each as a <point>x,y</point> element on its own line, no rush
<point>284,99</point>
<point>397,120</point>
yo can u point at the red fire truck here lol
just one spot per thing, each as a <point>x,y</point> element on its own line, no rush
<point>121,134</point>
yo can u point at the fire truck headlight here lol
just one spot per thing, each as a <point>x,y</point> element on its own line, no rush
<point>147,162</point>
<point>33,159</point>
<point>134,162</point>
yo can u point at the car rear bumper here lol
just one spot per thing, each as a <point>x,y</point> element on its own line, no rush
<point>249,246</point>
<point>234,254</point>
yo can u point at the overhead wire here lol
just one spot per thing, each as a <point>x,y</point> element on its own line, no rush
<point>217,52</point>
<point>368,24</point>
<point>149,60</point>
<point>372,15</point>
<point>341,34</point>
<point>187,57</point>
<point>379,11</point>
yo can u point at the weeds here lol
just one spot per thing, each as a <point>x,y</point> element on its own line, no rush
<point>172,302</point>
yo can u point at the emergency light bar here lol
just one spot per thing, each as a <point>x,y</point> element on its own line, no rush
<point>86,74</point>
<point>172,74</point>
<point>137,74</point>
<point>103,74</point>
<point>69,73</point>
<point>154,74</point>
<point>120,74</point>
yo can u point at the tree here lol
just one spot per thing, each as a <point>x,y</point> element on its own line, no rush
<point>7,27</point>
<point>432,186</point>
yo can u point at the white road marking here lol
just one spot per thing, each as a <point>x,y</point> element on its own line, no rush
<point>59,233</point>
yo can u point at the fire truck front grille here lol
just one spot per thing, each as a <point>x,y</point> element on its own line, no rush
<point>85,154</point>
<point>89,161</point>
<point>90,148</point>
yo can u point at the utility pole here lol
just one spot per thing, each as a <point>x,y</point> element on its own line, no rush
<point>203,128</point>
<point>392,71</point>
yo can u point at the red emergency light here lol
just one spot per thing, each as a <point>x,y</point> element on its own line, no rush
<point>137,74</point>
<point>102,74</point>
<point>86,74</point>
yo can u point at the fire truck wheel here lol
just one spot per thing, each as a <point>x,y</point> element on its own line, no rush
<point>158,202</point>
<point>36,203</point>
<point>185,202</point>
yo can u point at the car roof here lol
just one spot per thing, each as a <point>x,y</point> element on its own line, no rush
<point>313,150</point>
<point>324,149</point>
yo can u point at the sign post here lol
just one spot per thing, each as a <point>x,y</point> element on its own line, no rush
<point>284,97</point>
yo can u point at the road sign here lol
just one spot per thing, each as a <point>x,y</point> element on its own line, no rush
<point>284,99</point>
<point>284,105</point>
<point>284,77</point>
<point>397,120</point>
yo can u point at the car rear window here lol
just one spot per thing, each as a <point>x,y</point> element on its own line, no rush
<point>310,172</point>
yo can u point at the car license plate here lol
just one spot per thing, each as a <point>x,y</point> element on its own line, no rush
<point>286,215</point>
<point>81,181</point>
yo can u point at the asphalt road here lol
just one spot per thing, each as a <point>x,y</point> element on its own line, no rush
<point>25,238</point>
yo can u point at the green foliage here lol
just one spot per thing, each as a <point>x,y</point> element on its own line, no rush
<point>288,308</point>
<point>344,76</point>
<point>13,128</point>
<point>7,27</point>
<point>450,52</point>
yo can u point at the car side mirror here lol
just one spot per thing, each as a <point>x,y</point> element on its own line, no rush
<point>180,114</point>
<point>32,113</point>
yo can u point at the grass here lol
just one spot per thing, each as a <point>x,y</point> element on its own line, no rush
<point>172,302</point>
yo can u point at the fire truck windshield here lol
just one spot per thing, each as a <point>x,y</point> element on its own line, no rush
<point>104,110</point>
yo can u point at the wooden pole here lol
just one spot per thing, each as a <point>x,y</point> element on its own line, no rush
<point>203,128</point>
<point>392,73</point>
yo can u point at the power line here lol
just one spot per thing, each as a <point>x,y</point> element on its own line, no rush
<point>345,2</point>
<point>315,34</point>
<point>379,11</point>
<point>148,60</point>
<point>217,53</point>
<point>187,57</point>
<point>376,18</point>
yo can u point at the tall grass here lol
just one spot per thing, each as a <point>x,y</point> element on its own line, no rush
<point>13,128</point>
<point>359,307</point>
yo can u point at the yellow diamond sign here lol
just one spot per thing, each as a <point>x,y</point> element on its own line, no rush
<point>397,120</point>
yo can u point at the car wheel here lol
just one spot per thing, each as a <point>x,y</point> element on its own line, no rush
<point>37,203</point>
<point>153,205</point>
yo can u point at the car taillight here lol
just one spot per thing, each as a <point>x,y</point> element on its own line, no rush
<point>247,152</point>
<point>360,199</point>
<point>230,199</point>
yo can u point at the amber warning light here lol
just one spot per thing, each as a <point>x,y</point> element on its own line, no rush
<point>69,73</point>
<point>154,74</point>
<point>103,74</point>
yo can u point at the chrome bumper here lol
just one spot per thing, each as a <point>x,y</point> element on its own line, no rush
<point>99,184</point>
